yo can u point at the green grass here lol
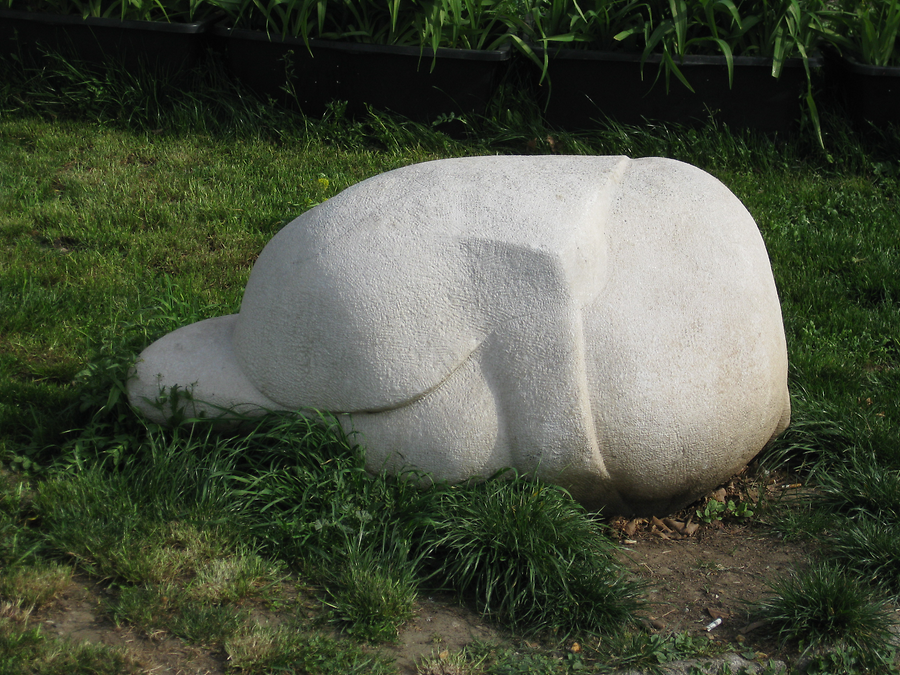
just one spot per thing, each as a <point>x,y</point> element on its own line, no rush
<point>628,651</point>
<point>825,607</point>
<point>374,591</point>
<point>27,587</point>
<point>527,555</point>
<point>31,652</point>
<point>260,650</point>
<point>130,207</point>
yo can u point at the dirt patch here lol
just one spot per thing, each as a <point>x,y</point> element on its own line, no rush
<point>440,626</point>
<point>78,615</point>
<point>714,574</point>
<point>694,574</point>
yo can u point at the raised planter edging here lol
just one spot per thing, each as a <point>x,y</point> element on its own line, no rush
<point>869,93</point>
<point>587,86</point>
<point>155,44</point>
<point>417,83</point>
<point>583,87</point>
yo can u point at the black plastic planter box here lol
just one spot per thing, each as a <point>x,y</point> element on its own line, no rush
<point>586,86</point>
<point>870,93</point>
<point>155,44</point>
<point>412,82</point>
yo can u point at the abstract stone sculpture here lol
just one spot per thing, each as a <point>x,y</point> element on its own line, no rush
<point>610,325</point>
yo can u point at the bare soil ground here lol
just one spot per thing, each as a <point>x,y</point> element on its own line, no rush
<point>696,573</point>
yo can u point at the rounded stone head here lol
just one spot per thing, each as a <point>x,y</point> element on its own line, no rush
<point>607,324</point>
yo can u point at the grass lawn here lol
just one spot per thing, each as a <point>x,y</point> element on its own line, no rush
<point>129,208</point>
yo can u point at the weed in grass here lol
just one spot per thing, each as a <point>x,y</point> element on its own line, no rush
<point>627,651</point>
<point>513,663</point>
<point>851,661</point>
<point>825,605</point>
<point>715,510</point>
<point>640,650</point>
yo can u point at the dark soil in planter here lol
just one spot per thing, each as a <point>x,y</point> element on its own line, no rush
<point>869,93</point>
<point>412,82</point>
<point>586,86</point>
<point>132,44</point>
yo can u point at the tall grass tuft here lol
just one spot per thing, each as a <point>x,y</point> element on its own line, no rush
<point>824,606</point>
<point>816,437</point>
<point>530,557</point>
<point>304,491</point>
<point>867,547</point>
<point>374,591</point>
<point>860,487</point>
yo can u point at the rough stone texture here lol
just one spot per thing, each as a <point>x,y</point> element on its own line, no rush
<point>609,324</point>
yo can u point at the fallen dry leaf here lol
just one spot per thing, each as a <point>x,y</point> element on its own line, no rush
<point>660,525</point>
<point>673,524</point>
<point>753,626</point>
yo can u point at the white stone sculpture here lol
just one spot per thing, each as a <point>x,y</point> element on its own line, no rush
<point>608,324</point>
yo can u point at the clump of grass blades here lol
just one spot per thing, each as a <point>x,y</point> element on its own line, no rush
<point>304,491</point>
<point>869,548</point>
<point>103,514</point>
<point>816,437</point>
<point>455,663</point>
<point>860,486</point>
<point>826,606</point>
<point>375,590</point>
<point>202,602</point>
<point>529,557</point>
<point>862,498</point>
